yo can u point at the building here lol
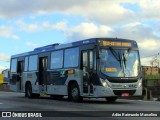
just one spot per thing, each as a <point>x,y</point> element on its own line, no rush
<point>149,70</point>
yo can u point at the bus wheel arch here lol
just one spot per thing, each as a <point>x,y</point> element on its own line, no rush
<point>74,91</point>
<point>28,91</point>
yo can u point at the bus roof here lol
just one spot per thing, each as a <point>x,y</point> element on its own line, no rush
<point>57,46</point>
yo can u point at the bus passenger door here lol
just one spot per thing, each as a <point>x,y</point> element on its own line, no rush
<point>87,67</point>
<point>43,62</point>
<point>20,69</point>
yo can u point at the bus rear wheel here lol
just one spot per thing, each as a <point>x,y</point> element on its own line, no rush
<point>28,91</point>
<point>74,93</point>
<point>111,99</point>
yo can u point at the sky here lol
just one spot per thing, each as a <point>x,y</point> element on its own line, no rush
<point>27,24</point>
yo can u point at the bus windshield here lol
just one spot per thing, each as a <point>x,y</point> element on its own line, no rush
<point>119,62</point>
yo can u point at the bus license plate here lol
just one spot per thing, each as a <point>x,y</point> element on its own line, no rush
<point>125,94</point>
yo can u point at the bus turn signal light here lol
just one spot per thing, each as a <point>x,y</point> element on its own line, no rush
<point>70,72</point>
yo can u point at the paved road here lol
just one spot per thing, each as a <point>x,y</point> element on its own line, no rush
<point>10,101</point>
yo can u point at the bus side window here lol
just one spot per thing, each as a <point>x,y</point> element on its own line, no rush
<point>33,60</point>
<point>26,64</point>
<point>14,65</point>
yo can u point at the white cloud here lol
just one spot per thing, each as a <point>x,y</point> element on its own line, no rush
<point>27,27</point>
<point>15,37</point>
<point>102,11</point>
<point>81,31</point>
<point>7,32</point>
<point>151,60</point>
<point>58,26</point>
<point>135,30</point>
<point>87,30</point>
<point>150,9</point>
<point>142,33</point>
<point>150,44</point>
<point>30,44</point>
<point>4,58</point>
<point>146,61</point>
<point>20,8</point>
<point>2,68</point>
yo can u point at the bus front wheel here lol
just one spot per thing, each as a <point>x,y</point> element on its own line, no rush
<point>111,99</point>
<point>75,93</point>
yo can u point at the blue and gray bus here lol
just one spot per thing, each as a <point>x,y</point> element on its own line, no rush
<point>91,68</point>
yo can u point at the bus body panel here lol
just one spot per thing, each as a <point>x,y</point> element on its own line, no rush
<point>57,90</point>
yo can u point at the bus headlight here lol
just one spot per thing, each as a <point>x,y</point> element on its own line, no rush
<point>140,83</point>
<point>104,84</point>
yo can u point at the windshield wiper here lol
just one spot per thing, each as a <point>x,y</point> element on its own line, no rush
<point>124,59</point>
<point>125,56</point>
<point>117,56</point>
<point>128,52</point>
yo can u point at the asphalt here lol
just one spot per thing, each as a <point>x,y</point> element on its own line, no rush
<point>64,109</point>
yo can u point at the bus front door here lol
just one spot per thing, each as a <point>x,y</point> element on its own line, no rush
<point>43,62</point>
<point>87,65</point>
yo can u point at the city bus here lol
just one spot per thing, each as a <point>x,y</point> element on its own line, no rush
<point>91,68</point>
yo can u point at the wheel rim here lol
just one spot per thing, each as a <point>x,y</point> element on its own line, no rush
<point>74,93</point>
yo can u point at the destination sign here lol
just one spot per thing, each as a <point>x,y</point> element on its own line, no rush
<point>118,44</point>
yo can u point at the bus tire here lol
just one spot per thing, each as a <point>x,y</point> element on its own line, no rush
<point>28,91</point>
<point>74,93</point>
<point>111,99</point>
